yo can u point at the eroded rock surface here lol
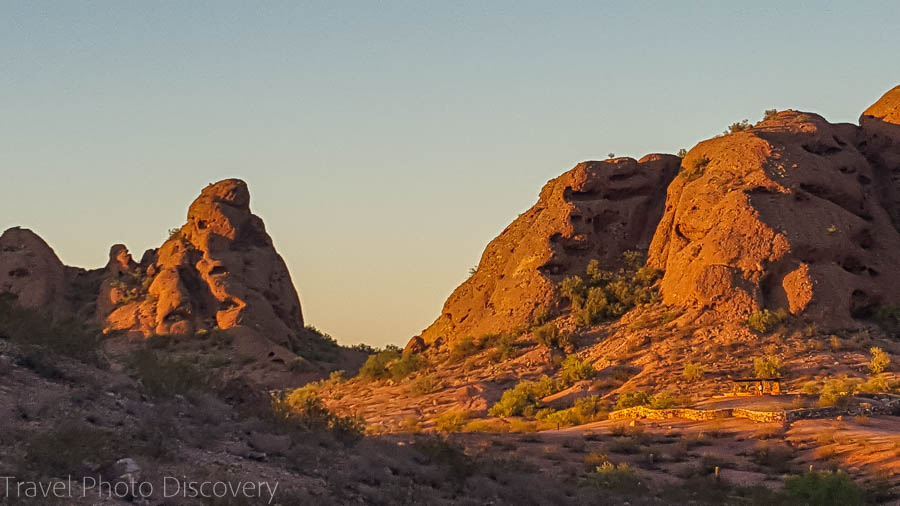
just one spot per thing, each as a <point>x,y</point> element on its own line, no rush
<point>785,215</point>
<point>597,210</point>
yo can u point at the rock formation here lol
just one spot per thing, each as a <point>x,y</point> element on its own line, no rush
<point>597,210</point>
<point>30,270</point>
<point>785,215</point>
<point>218,271</point>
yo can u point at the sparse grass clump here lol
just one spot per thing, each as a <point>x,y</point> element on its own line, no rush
<point>766,321</point>
<point>823,488</point>
<point>452,421</point>
<point>693,372</point>
<point>632,399</point>
<point>619,479</point>
<point>767,367</point>
<point>880,360</point>
<point>695,169</point>
<point>604,295</point>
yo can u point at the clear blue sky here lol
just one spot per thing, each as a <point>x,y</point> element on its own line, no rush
<point>385,143</point>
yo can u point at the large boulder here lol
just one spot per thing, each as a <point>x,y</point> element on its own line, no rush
<point>30,270</point>
<point>785,215</point>
<point>597,210</point>
<point>218,271</point>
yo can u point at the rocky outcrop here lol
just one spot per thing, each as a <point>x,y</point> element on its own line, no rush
<point>30,270</point>
<point>218,271</point>
<point>785,215</point>
<point>597,210</point>
<point>880,142</point>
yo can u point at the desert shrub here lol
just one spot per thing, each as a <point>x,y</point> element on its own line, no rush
<point>767,367</point>
<point>664,400</point>
<point>303,410</point>
<point>585,410</point>
<point>546,335</point>
<point>524,398</point>
<point>770,114</point>
<point>440,451</point>
<point>876,384</point>
<point>835,343</point>
<point>452,421</point>
<point>426,384</point>
<point>71,450</point>
<point>606,295</point>
<point>696,168</point>
<point>574,369</point>
<point>323,348</point>
<point>880,360</point>
<point>464,348</point>
<point>619,479</point>
<point>503,347</point>
<point>823,488</point>
<point>888,317</point>
<point>33,329</point>
<point>776,456</point>
<point>737,126</point>
<point>376,366</point>
<point>632,399</point>
<point>406,365</point>
<point>681,153</point>
<point>540,316</point>
<point>766,321</point>
<point>811,388</point>
<point>837,392</point>
<point>165,377</point>
<point>693,372</point>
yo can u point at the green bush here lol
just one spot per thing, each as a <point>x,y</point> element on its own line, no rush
<point>303,410</point>
<point>837,392</point>
<point>376,366</point>
<point>607,295</point>
<point>770,114</point>
<point>823,488</point>
<point>574,369</point>
<point>426,384</point>
<point>524,398</point>
<point>452,421</point>
<point>693,372</point>
<point>664,400</point>
<point>737,126</point>
<point>767,367</point>
<point>880,360</point>
<point>766,321</point>
<point>406,365</point>
<point>464,348</point>
<point>632,399</point>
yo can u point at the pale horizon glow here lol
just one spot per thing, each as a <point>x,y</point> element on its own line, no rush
<point>385,143</point>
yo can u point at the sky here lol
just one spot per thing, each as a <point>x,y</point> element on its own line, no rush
<point>386,143</point>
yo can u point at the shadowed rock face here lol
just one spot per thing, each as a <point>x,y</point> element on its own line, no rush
<point>30,269</point>
<point>597,210</point>
<point>784,215</point>
<point>880,143</point>
<point>219,270</point>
